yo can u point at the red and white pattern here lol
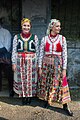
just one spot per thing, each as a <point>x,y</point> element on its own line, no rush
<point>25,78</point>
<point>53,46</point>
<point>53,59</point>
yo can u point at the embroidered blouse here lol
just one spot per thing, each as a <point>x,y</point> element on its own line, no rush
<point>53,45</point>
<point>19,48</point>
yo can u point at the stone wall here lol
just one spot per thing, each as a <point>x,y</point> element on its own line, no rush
<point>74,61</point>
<point>39,14</point>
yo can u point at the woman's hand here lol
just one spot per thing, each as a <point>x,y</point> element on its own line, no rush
<point>64,73</point>
<point>40,72</point>
<point>14,67</point>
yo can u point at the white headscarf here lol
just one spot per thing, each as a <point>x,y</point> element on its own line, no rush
<point>51,24</point>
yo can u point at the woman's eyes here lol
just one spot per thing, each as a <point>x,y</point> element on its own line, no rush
<point>26,25</point>
<point>57,26</point>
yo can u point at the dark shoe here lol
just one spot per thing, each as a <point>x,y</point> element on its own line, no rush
<point>28,100</point>
<point>23,101</point>
<point>67,110</point>
<point>45,104</point>
<point>11,93</point>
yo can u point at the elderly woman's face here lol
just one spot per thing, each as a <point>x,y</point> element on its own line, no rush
<point>56,28</point>
<point>26,27</point>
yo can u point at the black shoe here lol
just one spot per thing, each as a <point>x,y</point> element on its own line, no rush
<point>45,104</point>
<point>11,93</point>
<point>28,100</point>
<point>66,109</point>
<point>23,101</point>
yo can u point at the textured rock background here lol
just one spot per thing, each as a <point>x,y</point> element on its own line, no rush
<point>74,61</point>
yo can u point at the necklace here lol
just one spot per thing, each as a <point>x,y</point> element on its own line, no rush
<point>53,39</point>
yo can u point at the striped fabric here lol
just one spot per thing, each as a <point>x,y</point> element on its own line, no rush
<point>25,79</point>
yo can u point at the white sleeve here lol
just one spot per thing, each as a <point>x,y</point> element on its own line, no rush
<point>14,49</point>
<point>41,54</point>
<point>7,40</point>
<point>37,47</point>
<point>64,53</point>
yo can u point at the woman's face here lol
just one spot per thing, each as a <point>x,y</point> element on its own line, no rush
<point>26,27</point>
<point>56,28</point>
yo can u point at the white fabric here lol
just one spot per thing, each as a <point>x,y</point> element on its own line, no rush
<point>5,39</point>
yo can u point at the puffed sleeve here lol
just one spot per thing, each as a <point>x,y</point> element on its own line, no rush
<point>64,53</point>
<point>14,50</point>
<point>41,54</point>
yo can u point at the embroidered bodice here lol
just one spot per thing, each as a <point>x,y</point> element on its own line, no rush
<point>25,44</point>
<point>53,46</point>
<point>20,44</point>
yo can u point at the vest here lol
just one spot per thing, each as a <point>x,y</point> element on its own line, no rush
<point>28,46</point>
<point>53,47</point>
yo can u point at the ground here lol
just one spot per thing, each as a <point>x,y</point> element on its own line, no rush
<point>12,109</point>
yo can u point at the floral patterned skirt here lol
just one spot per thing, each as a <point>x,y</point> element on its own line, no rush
<point>52,86</point>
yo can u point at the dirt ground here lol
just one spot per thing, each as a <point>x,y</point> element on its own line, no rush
<point>12,109</point>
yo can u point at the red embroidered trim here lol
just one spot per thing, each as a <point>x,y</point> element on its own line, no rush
<point>25,35</point>
<point>53,35</point>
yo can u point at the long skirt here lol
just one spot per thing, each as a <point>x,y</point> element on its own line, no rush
<point>25,78</point>
<point>52,86</point>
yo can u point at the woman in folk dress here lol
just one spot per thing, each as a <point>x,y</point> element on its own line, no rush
<point>53,84</point>
<point>24,62</point>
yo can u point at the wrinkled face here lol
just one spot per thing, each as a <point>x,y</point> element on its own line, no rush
<point>56,28</point>
<point>26,26</point>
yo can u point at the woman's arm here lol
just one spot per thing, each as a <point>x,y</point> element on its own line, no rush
<point>64,56</point>
<point>14,53</point>
<point>37,47</point>
<point>41,53</point>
